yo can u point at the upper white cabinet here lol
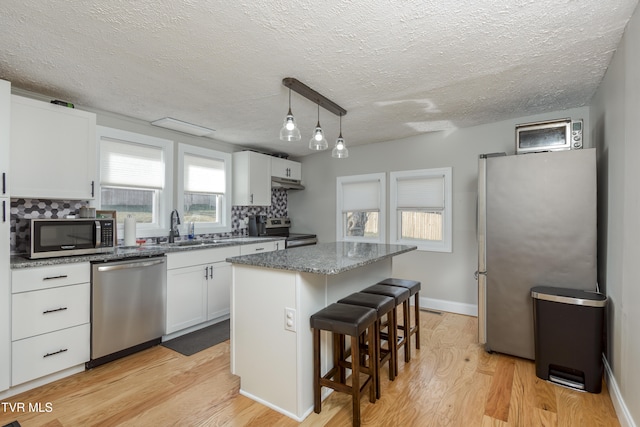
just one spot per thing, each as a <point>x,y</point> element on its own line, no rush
<point>251,179</point>
<point>53,151</point>
<point>283,168</point>
<point>5,278</point>
<point>5,135</point>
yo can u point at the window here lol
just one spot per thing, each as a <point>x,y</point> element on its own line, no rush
<point>420,209</point>
<point>360,208</point>
<point>204,188</point>
<point>135,179</point>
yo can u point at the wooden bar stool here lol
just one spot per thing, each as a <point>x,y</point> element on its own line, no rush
<point>401,297</point>
<point>414,291</point>
<point>384,306</point>
<point>345,320</point>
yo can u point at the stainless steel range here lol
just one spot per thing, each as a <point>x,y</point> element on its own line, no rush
<point>279,227</point>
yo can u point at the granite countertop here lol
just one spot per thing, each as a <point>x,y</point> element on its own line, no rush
<point>323,258</point>
<point>119,253</point>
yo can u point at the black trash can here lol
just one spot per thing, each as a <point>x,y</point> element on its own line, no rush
<point>569,336</point>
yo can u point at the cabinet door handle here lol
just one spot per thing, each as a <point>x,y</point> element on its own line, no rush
<point>92,188</point>
<point>211,271</point>
<point>62,276</point>
<point>4,211</point>
<point>4,183</point>
<point>259,249</point>
<point>62,350</point>
<point>206,273</point>
<point>251,198</point>
<point>55,310</point>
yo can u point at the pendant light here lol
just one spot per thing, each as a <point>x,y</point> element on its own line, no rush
<point>318,141</point>
<point>340,151</point>
<point>290,131</point>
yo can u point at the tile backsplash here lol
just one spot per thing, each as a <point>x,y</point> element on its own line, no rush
<point>35,208</point>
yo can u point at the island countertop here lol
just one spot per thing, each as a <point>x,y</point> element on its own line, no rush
<point>323,258</point>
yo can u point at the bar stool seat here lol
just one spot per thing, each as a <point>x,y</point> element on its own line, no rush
<point>345,320</point>
<point>384,306</point>
<point>401,297</point>
<point>414,291</point>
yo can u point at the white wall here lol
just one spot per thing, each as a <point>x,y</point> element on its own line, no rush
<point>615,113</point>
<point>447,278</point>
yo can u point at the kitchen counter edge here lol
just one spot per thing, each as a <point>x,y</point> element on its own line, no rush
<point>122,253</point>
<point>323,258</point>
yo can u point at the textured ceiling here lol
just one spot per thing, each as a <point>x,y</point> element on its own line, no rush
<point>399,68</point>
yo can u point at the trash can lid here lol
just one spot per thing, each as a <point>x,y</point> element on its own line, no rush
<point>569,296</point>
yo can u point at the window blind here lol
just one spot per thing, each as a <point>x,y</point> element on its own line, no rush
<point>420,193</point>
<point>361,196</point>
<point>204,175</point>
<point>125,164</point>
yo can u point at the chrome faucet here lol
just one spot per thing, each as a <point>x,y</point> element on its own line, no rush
<point>175,221</point>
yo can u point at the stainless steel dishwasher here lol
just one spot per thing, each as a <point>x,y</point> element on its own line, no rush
<point>127,307</point>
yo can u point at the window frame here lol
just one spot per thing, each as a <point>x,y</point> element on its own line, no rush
<point>340,215</point>
<point>202,227</point>
<point>446,245</point>
<point>165,195</point>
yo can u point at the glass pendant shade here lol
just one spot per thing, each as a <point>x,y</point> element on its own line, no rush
<point>340,151</point>
<point>318,142</point>
<point>290,131</point>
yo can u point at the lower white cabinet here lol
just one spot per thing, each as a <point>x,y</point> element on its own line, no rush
<point>199,283</point>
<point>45,354</point>
<point>198,286</point>
<point>256,248</point>
<point>50,328</point>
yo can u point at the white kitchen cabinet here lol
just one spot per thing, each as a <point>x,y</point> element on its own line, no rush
<point>5,276</point>
<point>53,151</point>
<point>198,286</point>
<point>219,291</point>
<point>5,135</point>
<point>256,248</point>
<point>186,297</point>
<point>50,320</point>
<point>283,168</point>
<point>251,179</point>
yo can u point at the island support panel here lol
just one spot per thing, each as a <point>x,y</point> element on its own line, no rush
<point>275,364</point>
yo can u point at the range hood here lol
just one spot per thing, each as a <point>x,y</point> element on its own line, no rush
<point>287,183</point>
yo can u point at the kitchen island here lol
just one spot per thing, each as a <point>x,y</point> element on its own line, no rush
<point>273,295</point>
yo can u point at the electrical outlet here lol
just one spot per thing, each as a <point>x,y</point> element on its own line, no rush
<point>290,319</point>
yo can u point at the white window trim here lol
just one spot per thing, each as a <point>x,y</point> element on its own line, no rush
<point>447,242</point>
<point>225,223</point>
<point>381,179</point>
<point>165,202</point>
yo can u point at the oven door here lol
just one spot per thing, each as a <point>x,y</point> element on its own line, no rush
<point>64,237</point>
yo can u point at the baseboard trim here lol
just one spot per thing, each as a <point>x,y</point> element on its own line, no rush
<point>624,416</point>
<point>448,306</point>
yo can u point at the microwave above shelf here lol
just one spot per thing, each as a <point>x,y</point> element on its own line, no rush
<point>552,135</point>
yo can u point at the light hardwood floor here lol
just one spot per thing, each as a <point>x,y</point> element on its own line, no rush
<point>451,381</point>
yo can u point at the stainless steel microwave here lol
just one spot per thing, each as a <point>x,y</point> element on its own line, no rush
<point>66,237</point>
<point>552,135</point>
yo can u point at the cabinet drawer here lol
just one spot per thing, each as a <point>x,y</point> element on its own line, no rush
<point>45,354</point>
<point>200,256</point>
<point>256,248</point>
<point>31,279</point>
<point>39,312</point>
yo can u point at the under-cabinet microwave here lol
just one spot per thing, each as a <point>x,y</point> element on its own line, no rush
<point>552,135</point>
<point>66,237</point>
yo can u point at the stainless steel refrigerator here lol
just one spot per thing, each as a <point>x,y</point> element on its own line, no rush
<point>536,226</point>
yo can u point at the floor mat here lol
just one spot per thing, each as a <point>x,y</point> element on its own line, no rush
<point>199,340</point>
